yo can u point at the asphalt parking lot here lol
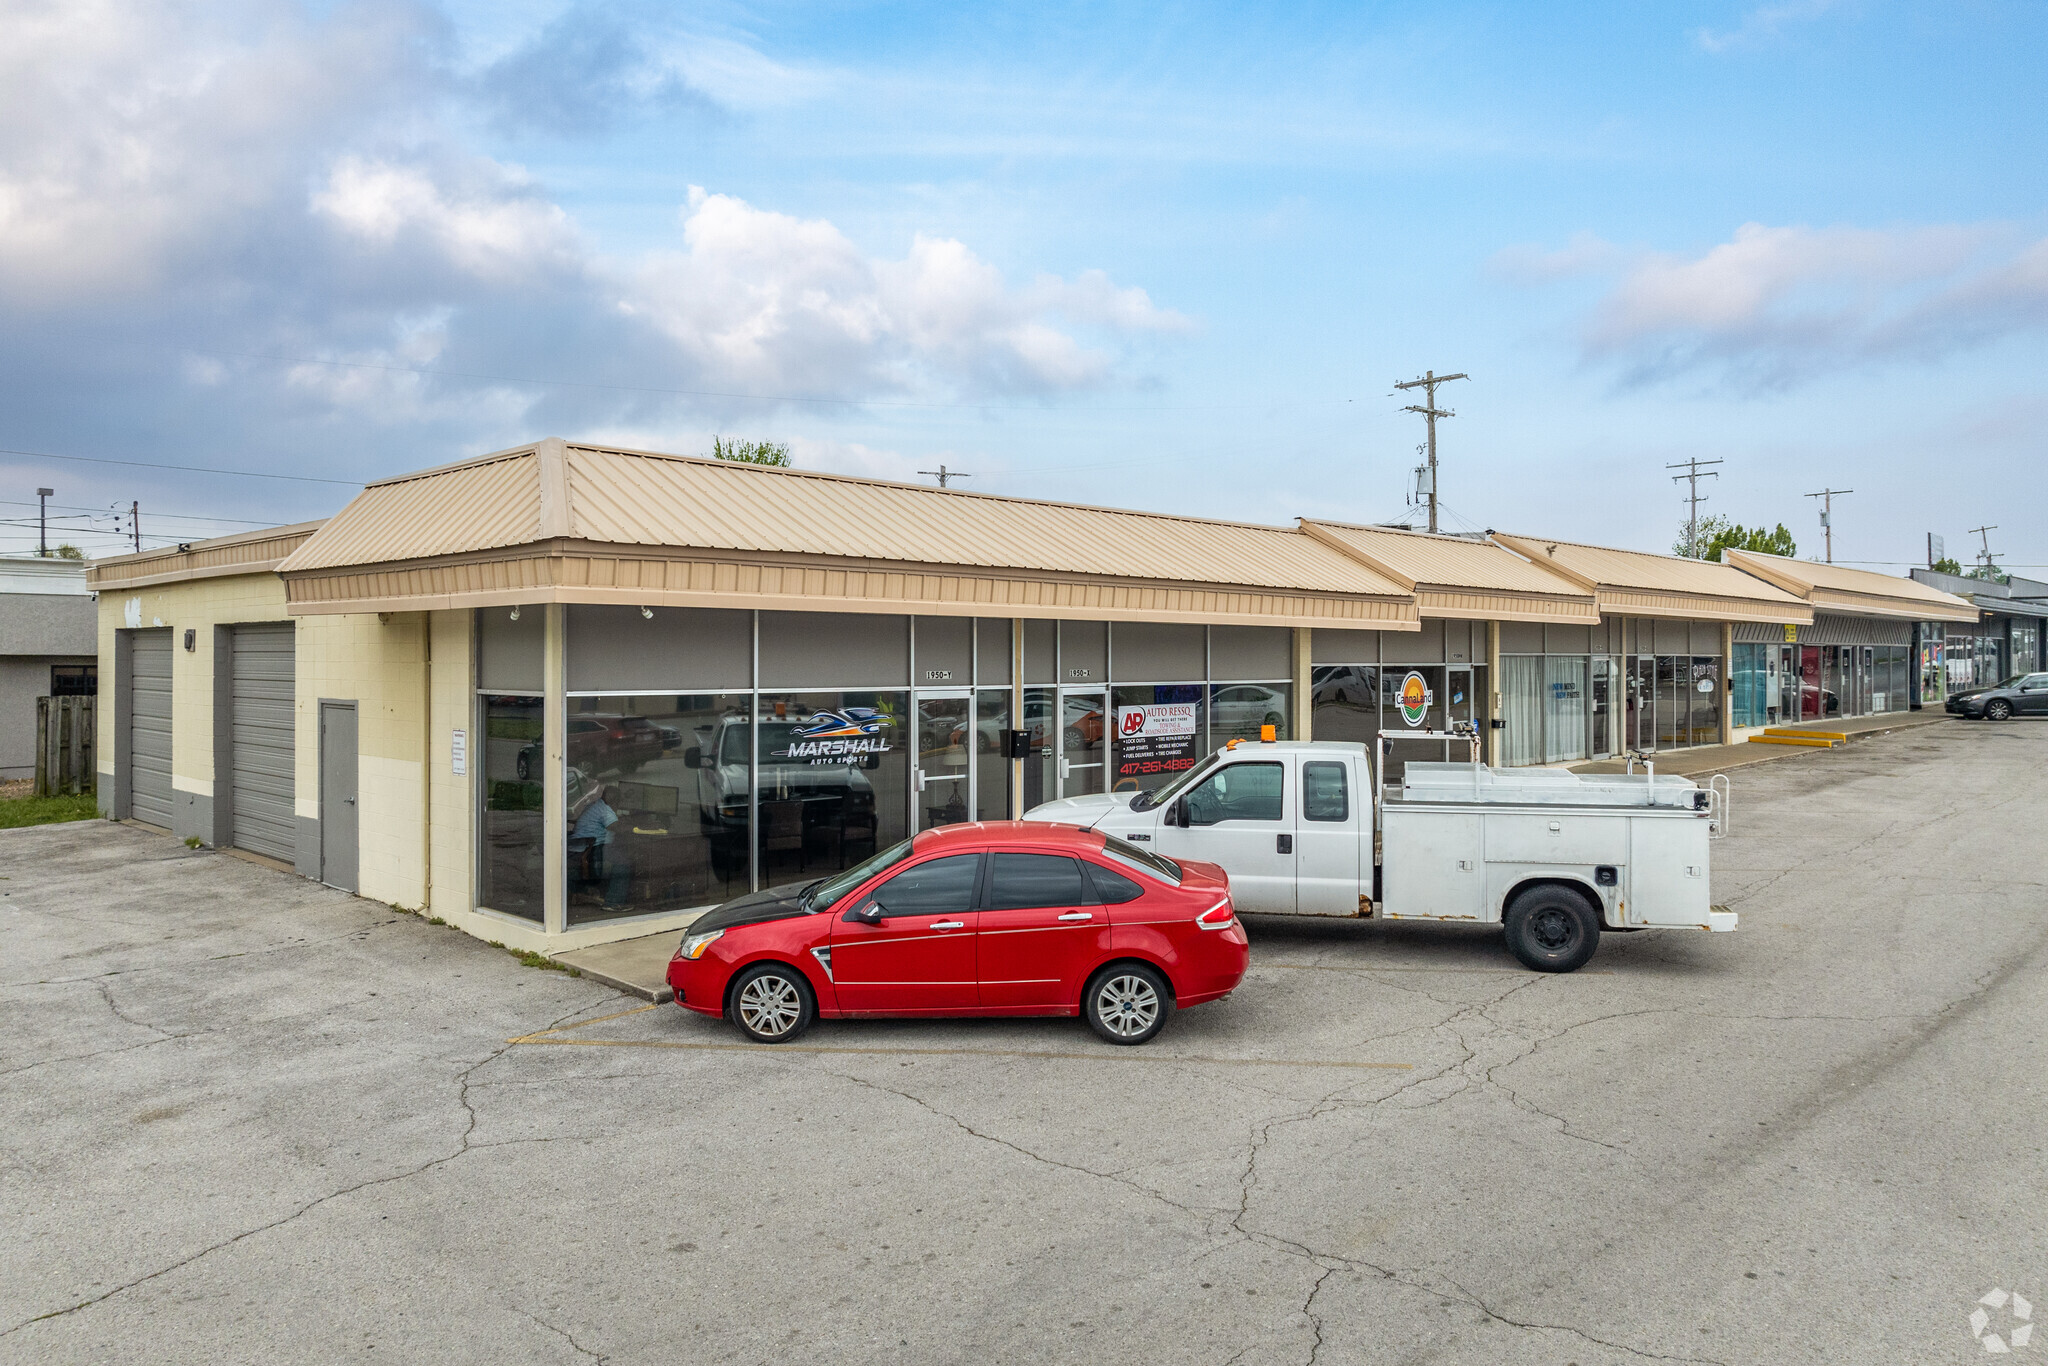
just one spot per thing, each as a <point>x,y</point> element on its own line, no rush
<point>247,1118</point>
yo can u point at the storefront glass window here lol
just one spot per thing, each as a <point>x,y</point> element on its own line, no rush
<point>1749,684</point>
<point>1238,710</point>
<point>1522,702</point>
<point>1672,709</point>
<point>509,876</point>
<point>943,747</point>
<point>1346,700</point>
<point>1564,708</point>
<point>834,780</point>
<point>1161,731</point>
<point>658,801</point>
<point>991,769</point>
<point>1041,722</point>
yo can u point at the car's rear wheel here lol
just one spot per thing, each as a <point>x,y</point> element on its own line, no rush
<point>1127,1003</point>
<point>1998,709</point>
<point>1552,929</point>
<point>772,1003</point>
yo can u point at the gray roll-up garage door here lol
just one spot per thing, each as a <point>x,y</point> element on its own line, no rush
<point>263,750</point>
<point>149,727</point>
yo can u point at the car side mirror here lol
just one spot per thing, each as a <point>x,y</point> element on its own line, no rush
<point>693,757</point>
<point>870,914</point>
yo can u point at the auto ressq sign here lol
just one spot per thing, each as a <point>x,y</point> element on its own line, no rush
<point>1415,698</point>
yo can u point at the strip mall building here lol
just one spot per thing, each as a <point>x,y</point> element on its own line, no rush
<point>565,694</point>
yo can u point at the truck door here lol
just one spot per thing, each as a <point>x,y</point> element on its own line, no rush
<point>1240,817</point>
<point>1326,839</point>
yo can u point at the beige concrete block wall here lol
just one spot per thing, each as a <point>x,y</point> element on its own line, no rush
<point>380,665</point>
<point>197,607</point>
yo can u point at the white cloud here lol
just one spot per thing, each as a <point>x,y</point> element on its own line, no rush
<point>769,303</point>
<point>1778,304</point>
<point>490,224</point>
<point>1762,25</point>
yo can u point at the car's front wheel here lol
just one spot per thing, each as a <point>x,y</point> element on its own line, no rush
<point>1552,929</point>
<point>1127,1003</point>
<point>1998,709</point>
<point>772,1003</point>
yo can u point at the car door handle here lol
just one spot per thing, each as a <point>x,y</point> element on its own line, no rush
<point>1283,844</point>
<point>947,924</point>
<point>1078,915</point>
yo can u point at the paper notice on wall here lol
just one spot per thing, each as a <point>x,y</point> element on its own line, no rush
<point>1153,742</point>
<point>458,753</point>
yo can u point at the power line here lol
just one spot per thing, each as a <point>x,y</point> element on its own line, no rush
<point>1430,412</point>
<point>1695,470</point>
<point>190,469</point>
<point>116,512</point>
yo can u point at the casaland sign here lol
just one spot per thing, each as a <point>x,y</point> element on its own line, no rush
<point>1414,698</point>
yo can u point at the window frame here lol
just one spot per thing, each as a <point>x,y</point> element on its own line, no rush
<point>871,894</point>
<point>985,900</point>
<point>1344,780</point>
<point>1222,769</point>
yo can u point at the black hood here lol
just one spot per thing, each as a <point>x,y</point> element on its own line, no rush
<point>751,909</point>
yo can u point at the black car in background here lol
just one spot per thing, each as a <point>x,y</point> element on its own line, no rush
<point>2020,695</point>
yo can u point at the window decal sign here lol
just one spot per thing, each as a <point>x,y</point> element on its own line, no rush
<point>828,736</point>
<point>1153,740</point>
<point>1415,698</point>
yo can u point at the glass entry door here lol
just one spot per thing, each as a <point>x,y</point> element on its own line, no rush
<point>1084,732</point>
<point>943,785</point>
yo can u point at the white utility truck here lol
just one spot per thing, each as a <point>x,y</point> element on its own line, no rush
<point>1303,829</point>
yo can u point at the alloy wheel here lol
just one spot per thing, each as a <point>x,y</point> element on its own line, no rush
<point>769,1005</point>
<point>1127,1004</point>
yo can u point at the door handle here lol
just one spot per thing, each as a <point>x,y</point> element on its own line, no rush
<point>947,924</point>
<point>1077,915</point>
<point>1283,844</point>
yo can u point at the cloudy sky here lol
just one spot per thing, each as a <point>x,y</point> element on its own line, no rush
<point>1170,258</point>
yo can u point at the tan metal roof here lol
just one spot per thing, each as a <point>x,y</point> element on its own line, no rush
<point>1637,583</point>
<point>1455,576</point>
<point>245,552</point>
<point>1840,588</point>
<point>596,510</point>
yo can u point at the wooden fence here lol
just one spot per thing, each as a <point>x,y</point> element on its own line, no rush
<point>66,728</point>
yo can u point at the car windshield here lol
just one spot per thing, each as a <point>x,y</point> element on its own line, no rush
<point>1165,869</point>
<point>2012,682</point>
<point>820,895</point>
<point>1145,801</point>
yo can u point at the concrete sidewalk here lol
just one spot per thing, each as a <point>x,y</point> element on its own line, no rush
<point>1695,763</point>
<point>638,967</point>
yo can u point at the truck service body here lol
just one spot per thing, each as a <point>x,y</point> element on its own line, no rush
<point>1304,829</point>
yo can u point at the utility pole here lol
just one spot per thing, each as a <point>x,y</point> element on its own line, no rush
<point>1983,533</point>
<point>1430,412</point>
<point>135,524</point>
<point>43,497</point>
<point>1695,470</point>
<point>1827,520</point>
<point>942,474</point>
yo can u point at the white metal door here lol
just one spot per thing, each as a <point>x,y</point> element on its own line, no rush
<point>1240,817</point>
<point>149,727</point>
<point>1667,871</point>
<point>1327,840</point>
<point>1434,863</point>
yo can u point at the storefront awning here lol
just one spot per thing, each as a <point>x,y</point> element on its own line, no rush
<point>1638,584</point>
<point>1857,592</point>
<point>560,522</point>
<point>1460,578</point>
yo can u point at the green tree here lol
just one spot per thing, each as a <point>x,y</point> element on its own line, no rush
<point>751,452</point>
<point>1945,565</point>
<point>1711,525</point>
<point>68,552</point>
<point>1776,541</point>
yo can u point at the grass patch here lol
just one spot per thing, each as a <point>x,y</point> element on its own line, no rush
<point>19,811</point>
<point>529,959</point>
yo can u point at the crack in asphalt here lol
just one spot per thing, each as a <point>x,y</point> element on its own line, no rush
<point>463,1147</point>
<point>564,1336</point>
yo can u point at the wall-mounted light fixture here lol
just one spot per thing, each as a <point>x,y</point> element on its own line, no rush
<point>515,614</point>
<point>647,612</point>
<point>191,641</point>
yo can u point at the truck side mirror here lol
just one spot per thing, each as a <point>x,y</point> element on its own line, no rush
<point>693,757</point>
<point>1178,815</point>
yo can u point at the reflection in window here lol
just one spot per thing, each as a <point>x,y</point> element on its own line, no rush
<point>509,876</point>
<point>1346,698</point>
<point>1325,792</point>
<point>1023,881</point>
<point>657,803</point>
<point>991,769</point>
<point>944,886</point>
<point>1161,731</point>
<point>834,781</point>
<point>1238,792</point>
<point>1237,711</point>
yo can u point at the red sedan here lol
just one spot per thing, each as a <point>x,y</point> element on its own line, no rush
<point>1001,918</point>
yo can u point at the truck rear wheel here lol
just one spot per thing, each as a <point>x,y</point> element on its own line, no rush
<point>1552,929</point>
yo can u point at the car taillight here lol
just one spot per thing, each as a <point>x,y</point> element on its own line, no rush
<point>1217,917</point>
